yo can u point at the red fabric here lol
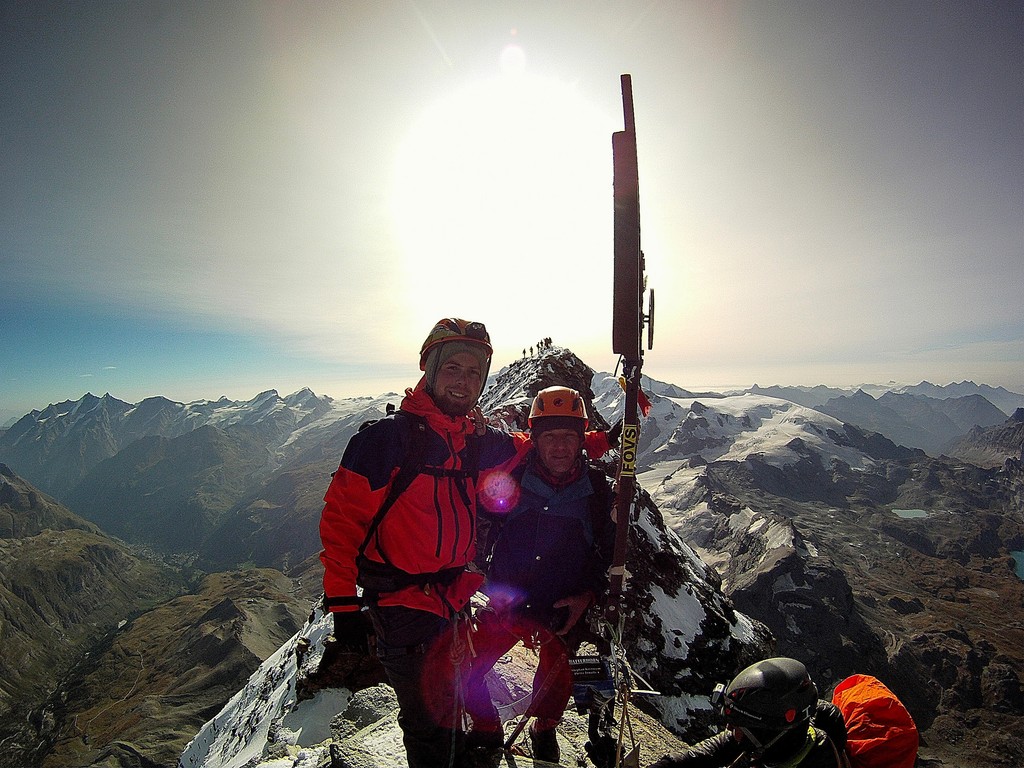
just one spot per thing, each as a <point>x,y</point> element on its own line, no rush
<point>643,402</point>
<point>552,681</point>
<point>594,443</point>
<point>350,506</point>
<point>880,731</point>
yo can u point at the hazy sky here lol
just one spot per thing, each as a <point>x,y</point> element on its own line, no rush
<point>212,198</point>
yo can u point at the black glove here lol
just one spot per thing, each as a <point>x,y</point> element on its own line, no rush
<point>614,433</point>
<point>347,661</point>
<point>352,630</point>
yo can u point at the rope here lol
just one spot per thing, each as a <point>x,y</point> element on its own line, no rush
<point>622,726</point>
<point>461,648</point>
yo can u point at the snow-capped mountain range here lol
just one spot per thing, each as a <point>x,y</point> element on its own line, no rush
<point>69,438</point>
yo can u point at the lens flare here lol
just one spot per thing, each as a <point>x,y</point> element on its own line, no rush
<point>498,492</point>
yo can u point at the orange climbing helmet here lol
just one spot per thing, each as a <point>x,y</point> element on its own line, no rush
<point>560,402</point>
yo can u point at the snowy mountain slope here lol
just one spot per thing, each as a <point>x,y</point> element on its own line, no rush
<point>730,428</point>
<point>238,734</point>
<point>840,541</point>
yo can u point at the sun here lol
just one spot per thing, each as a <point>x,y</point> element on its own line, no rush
<point>503,189</point>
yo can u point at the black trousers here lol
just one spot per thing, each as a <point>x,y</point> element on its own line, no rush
<point>420,654</point>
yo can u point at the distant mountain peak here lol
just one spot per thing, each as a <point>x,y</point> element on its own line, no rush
<point>507,400</point>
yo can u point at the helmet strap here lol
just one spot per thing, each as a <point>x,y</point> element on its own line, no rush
<point>759,748</point>
<point>793,759</point>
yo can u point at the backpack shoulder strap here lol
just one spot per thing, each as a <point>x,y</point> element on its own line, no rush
<point>471,463</point>
<point>411,465</point>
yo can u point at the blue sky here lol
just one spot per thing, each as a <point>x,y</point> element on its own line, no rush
<point>200,199</point>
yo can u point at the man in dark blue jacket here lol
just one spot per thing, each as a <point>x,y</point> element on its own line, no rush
<point>548,564</point>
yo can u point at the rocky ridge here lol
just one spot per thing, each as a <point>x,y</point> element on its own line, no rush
<point>994,446</point>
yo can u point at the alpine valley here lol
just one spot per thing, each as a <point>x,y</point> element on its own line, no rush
<point>159,578</point>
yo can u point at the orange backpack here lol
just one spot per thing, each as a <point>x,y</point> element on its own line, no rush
<point>880,733</point>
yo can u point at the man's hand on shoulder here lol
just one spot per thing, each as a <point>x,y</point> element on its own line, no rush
<point>479,420</point>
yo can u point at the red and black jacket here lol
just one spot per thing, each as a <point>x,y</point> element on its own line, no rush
<point>431,527</point>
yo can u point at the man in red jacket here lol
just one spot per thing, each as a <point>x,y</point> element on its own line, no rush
<point>410,552</point>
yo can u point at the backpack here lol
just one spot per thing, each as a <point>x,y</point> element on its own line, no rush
<point>880,733</point>
<point>377,577</point>
<point>413,462</point>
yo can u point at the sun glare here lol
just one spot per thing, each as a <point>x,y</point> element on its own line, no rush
<point>504,179</point>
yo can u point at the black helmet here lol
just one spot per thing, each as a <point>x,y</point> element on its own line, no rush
<point>771,695</point>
